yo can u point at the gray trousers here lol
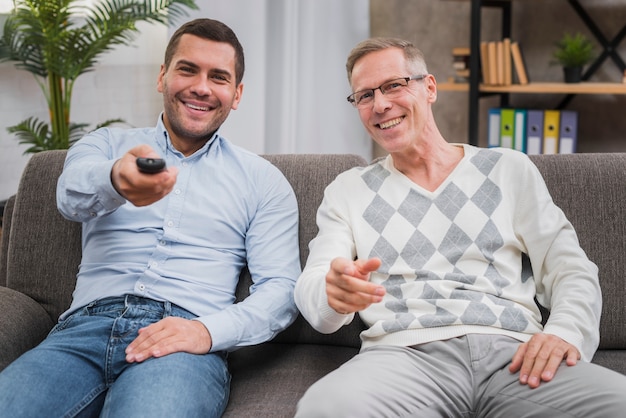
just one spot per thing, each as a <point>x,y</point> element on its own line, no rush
<point>461,377</point>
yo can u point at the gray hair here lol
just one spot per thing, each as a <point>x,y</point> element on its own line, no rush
<point>416,63</point>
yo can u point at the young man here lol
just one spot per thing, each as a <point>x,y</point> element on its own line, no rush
<point>153,312</point>
<point>428,245</point>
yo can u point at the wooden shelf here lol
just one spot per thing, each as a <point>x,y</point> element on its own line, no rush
<point>476,90</point>
<point>545,88</point>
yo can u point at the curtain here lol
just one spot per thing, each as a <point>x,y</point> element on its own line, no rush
<point>295,83</point>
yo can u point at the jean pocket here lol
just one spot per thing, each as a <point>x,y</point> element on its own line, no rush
<point>67,321</point>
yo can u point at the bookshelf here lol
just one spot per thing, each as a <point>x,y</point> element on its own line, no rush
<point>539,88</point>
<point>477,90</point>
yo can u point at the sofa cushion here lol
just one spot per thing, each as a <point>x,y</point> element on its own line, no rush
<point>23,324</point>
<point>44,251</point>
<point>320,170</point>
<point>269,379</point>
<point>591,190</point>
<point>42,260</point>
<point>4,239</point>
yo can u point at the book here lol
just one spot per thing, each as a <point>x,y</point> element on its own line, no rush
<point>500,62</point>
<point>461,52</point>
<point>568,132</point>
<point>492,59</point>
<point>507,121</point>
<point>493,128</point>
<point>484,62</point>
<point>518,63</point>
<point>460,63</point>
<point>551,131</point>
<point>508,75</point>
<point>534,132</point>
<point>519,130</point>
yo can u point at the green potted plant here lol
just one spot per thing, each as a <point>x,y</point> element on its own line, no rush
<point>57,41</point>
<point>573,52</point>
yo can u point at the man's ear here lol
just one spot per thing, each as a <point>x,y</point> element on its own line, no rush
<point>160,79</point>
<point>431,86</point>
<point>237,98</point>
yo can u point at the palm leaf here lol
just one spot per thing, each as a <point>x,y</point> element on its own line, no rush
<point>35,133</point>
<point>44,38</point>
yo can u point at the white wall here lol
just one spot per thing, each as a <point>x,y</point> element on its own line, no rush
<point>122,86</point>
<point>295,83</point>
<point>294,87</point>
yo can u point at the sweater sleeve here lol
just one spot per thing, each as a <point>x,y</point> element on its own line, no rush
<point>334,239</point>
<point>566,280</point>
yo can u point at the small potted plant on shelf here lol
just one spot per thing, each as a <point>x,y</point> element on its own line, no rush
<point>573,52</point>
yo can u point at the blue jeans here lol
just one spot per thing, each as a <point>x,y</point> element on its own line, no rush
<point>80,370</point>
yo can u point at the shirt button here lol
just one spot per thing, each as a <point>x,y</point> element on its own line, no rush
<point>93,214</point>
<point>177,191</point>
<point>170,223</point>
<point>142,287</point>
<point>162,242</point>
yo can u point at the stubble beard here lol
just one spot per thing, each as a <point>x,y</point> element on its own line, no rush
<point>178,127</point>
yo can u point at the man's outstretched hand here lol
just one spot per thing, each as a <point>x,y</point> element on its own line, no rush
<point>348,287</point>
<point>139,188</point>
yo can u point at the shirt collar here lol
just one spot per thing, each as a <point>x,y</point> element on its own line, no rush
<point>165,144</point>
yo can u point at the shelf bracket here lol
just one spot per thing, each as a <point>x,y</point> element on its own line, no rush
<point>474,60</point>
<point>609,48</point>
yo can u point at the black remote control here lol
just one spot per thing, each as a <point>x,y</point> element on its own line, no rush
<point>150,165</point>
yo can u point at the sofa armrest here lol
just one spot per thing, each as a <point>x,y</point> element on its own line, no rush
<point>4,238</point>
<point>24,323</point>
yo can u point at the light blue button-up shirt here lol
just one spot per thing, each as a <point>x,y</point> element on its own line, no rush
<point>229,208</point>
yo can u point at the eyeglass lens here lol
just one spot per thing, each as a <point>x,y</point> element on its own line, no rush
<point>389,88</point>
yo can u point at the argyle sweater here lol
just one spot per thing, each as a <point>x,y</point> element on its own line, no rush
<point>469,257</point>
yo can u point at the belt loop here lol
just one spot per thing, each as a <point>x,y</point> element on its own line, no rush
<point>126,302</point>
<point>167,309</point>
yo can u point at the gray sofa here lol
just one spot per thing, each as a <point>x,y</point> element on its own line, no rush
<point>41,252</point>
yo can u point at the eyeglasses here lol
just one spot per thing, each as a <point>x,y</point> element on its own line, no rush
<point>391,88</point>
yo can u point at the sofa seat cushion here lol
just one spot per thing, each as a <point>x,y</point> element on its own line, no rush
<point>269,379</point>
<point>612,359</point>
<point>24,323</point>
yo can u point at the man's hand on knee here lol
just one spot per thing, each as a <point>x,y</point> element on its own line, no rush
<point>538,359</point>
<point>169,335</point>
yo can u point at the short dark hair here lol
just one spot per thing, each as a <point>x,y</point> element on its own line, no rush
<point>212,30</point>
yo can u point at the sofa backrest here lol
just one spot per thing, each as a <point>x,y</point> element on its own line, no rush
<point>309,174</point>
<point>41,250</point>
<point>591,190</point>
<point>4,238</point>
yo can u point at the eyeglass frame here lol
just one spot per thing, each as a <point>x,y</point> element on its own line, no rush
<point>351,99</point>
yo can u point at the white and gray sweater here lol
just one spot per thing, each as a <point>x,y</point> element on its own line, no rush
<point>452,259</point>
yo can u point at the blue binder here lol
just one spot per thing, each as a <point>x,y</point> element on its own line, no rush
<point>534,132</point>
<point>519,134</point>
<point>568,132</point>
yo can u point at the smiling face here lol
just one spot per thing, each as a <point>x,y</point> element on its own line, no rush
<point>397,123</point>
<point>199,90</point>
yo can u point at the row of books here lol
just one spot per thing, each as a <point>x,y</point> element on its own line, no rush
<point>460,64</point>
<point>533,131</point>
<point>499,59</point>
